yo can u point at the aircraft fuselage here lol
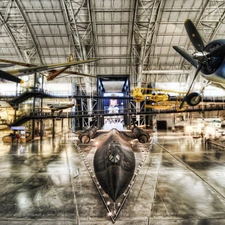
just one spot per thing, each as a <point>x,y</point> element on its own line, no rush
<point>114,164</point>
<point>214,70</point>
<point>114,160</point>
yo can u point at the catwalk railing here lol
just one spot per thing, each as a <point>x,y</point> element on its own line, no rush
<point>96,114</point>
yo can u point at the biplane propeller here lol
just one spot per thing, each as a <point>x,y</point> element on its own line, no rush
<point>209,60</point>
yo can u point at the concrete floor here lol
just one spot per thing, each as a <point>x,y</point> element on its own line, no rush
<point>181,182</point>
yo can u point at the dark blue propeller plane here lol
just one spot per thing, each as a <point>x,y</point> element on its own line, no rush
<point>208,59</point>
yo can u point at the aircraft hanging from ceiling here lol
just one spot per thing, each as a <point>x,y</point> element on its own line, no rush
<point>57,107</point>
<point>54,73</point>
<point>12,75</point>
<point>159,99</point>
<point>3,65</point>
<point>209,60</point>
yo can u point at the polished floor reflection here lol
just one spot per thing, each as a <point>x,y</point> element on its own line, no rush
<point>47,182</point>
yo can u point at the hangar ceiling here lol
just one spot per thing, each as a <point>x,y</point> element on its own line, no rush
<point>131,37</point>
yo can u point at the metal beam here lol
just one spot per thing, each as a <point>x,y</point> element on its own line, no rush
<point>37,49</point>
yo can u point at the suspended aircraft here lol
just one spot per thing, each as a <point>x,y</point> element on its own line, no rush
<point>160,99</point>
<point>209,60</point>
<point>57,107</point>
<point>3,65</point>
<point>12,75</point>
<point>52,74</point>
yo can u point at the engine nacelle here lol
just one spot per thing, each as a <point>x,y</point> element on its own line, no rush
<point>141,135</point>
<point>87,135</point>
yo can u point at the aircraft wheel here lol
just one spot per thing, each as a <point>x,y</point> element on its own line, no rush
<point>193,99</point>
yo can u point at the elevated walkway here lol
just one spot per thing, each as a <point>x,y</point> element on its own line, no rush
<point>80,114</point>
<point>24,96</point>
<point>20,121</point>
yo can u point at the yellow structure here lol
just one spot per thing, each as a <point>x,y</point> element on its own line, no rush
<point>160,98</point>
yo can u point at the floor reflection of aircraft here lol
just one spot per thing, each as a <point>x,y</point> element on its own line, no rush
<point>209,60</point>
<point>159,98</point>
<point>12,75</point>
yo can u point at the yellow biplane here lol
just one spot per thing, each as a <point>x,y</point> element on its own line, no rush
<point>159,98</point>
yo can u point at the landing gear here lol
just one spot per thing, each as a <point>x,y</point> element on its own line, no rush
<point>193,99</point>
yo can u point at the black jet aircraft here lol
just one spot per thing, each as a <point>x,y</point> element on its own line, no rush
<point>114,160</point>
<point>209,60</point>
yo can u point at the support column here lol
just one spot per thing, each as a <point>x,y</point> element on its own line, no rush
<point>139,81</point>
<point>154,123</point>
<point>73,109</point>
<point>53,128</point>
<point>32,127</point>
<point>41,129</point>
<point>62,125</point>
<point>88,89</point>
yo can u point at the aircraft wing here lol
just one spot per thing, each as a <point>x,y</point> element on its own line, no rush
<point>17,63</point>
<point>12,74</point>
<point>59,106</point>
<point>102,133</point>
<point>10,77</point>
<point>134,133</point>
<point>3,65</point>
<point>78,73</point>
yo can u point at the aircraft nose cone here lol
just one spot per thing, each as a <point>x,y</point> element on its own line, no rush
<point>114,167</point>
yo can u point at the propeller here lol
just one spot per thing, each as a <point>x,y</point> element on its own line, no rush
<point>188,57</point>
<point>201,59</point>
<point>194,36</point>
<point>197,42</point>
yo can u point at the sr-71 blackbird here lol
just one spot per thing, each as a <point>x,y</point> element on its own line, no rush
<point>114,160</point>
<point>12,75</point>
<point>118,158</point>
